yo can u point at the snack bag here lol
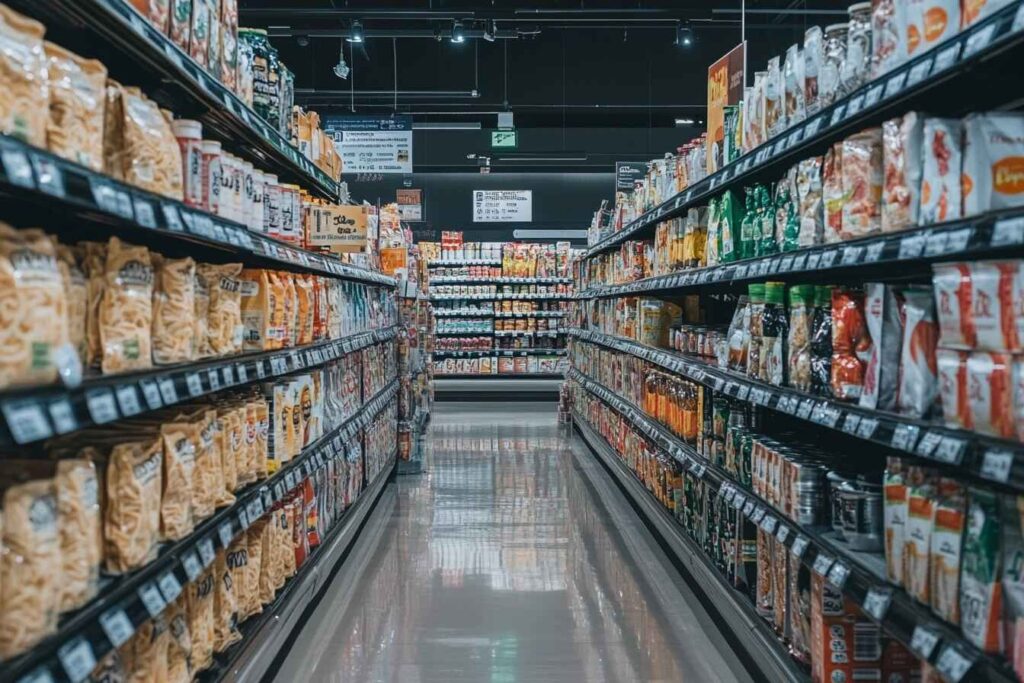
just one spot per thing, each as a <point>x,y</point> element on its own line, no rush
<point>918,369</point>
<point>833,193</point>
<point>23,65</point>
<point>940,183</point>
<point>813,54</point>
<point>976,10</point>
<point>851,344</point>
<point>862,184</point>
<point>981,600</point>
<point>990,394</point>
<point>901,156</point>
<point>885,327</point>
<point>954,303</point>
<point>995,297</point>
<point>952,382</point>
<point>808,182</point>
<point>929,22</point>
<point>918,535</point>
<point>945,550</point>
<point>993,173</point>
<point>1013,580</point>
<point>896,495</point>
<point>888,35</point>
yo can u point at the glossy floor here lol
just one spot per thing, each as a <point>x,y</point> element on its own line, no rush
<point>503,562</point>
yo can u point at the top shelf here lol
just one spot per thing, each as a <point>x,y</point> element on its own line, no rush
<point>946,67</point>
<point>120,33</point>
<point>464,262</point>
<point>500,279</point>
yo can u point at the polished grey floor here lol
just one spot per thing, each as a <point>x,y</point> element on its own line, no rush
<point>505,563</point>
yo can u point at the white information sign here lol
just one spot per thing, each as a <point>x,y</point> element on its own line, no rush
<point>502,206</point>
<point>372,145</point>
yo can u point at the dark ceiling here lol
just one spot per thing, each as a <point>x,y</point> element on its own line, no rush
<point>557,63</point>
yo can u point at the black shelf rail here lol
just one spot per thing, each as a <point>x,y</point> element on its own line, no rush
<point>912,250</point>
<point>116,26</point>
<point>30,176</point>
<point>507,353</point>
<point>942,68</point>
<point>860,575</point>
<point>502,297</point>
<point>990,459</point>
<point>35,413</point>
<point>500,279</point>
<point>126,603</point>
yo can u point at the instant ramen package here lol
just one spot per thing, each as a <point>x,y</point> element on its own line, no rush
<point>77,94</point>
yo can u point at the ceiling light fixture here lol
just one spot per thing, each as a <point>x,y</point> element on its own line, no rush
<point>490,32</point>
<point>458,35</point>
<point>356,32</point>
<point>684,35</point>
<point>341,69</point>
<point>684,122</point>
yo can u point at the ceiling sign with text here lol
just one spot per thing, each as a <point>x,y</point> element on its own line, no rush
<point>342,229</point>
<point>502,206</point>
<point>410,204</point>
<point>369,144</point>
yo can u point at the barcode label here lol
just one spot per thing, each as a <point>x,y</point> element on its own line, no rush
<point>867,645</point>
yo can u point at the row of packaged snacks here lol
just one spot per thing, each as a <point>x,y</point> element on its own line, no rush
<point>818,624</point>
<point>117,307</point>
<point>245,62</point>
<point>831,63</point>
<point>501,290</point>
<point>517,259</point>
<point>180,643</point>
<point>500,365</point>
<point>912,171</point>
<point>527,325</point>
<point>505,308</point>
<point>467,271</point>
<point>103,499</point>
<point>464,325</point>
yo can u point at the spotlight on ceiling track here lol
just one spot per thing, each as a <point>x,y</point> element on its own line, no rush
<point>490,31</point>
<point>458,35</point>
<point>356,33</point>
<point>684,35</point>
<point>684,122</point>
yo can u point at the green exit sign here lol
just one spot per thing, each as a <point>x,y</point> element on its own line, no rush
<point>504,139</point>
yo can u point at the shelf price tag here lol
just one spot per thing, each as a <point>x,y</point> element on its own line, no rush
<point>949,55</point>
<point>838,575</point>
<point>169,585</point>
<point>923,641</point>
<point>194,383</point>
<point>167,391</point>
<point>952,663</point>
<point>866,428</point>
<point>48,173</point>
<point>822,563</point>
<point>226,533</point>
<point>214,379</point>
<point>996,464</point>
<point>63,416</point>
<point>26,421</point>
<point>193,567</point>
<point>905,437</point>
<point>151,393</point>
<point>926,446</point>
<point>128,400</point>
<point>919,71</point>
<point>877,601</point>
<point>979,40</point>
<point>895,84</point>
<point>101,405</point>
<point>17,168</point>
<point>77,658</point>
<point>874,251</point>
<point>116,626</point>
<point>206,551</point>
<point>782,534</point>
<point>799,547</point>
<point>911,246</point>
<point>768,523</point>
<point>950,450</point>
<point>151,598</point>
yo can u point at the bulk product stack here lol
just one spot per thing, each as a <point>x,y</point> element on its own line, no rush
<point>805,366</point>
<point>198,412</point>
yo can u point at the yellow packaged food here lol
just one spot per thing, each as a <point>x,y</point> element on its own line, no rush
<point>29,584</point>
<point>224,319</point>
<point>266,532</point>
<point>81,531</point>
<point>251,445</point>
<point>225,606</point>
<point>113,130</point>
<point>238,562</point>
<point>279,310</point>
<point>200,600</point>
<point>145,655</point>
<point>304,309</point>
<point>174,302</point>
<point>94,264</point>
<point>211,438</point>
<point>76,291</point>
<point>253,568</point>
<point>291,308</point>
<point>176,520</point>
<point>262,439</point>
<point>77,95</point>
<point>179,648</point>
<point>228,439</point>
<point>126,310</point>
<point>23,78</point>
<point>292,517</point>
<point>257,310</point>
<point>150,157</point>
<point>33,308</point>
<point>131,515</point>
<point>200,335</point>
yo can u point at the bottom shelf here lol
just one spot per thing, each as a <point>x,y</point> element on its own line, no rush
<point>264,636</point>
<point>752,636</point>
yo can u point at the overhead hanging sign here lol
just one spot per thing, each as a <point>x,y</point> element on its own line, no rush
<point>410,204</point>
<point>502,206</point>
<point>725,87</point>
<point>369,144</point>
<point>342,229</point>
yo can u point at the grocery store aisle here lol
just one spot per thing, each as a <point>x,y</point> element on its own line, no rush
<point>501,564</point>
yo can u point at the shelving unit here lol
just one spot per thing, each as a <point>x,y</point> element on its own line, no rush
<point>115,32</point>
<point>921,83</point>
<point>860,575</point>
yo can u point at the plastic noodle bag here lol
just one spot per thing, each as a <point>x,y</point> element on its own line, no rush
<point>131,516</point>
<point>253,569</point>
<point>990,394</point>
<point>993,172</point>
<point>29,580</point>
<point>81,531</point>
<point>793,86</point>
<point>862,184</point>
<point>200,324</point>
<point>173,310</point>
<point>77,95</point>
<point>941,173</point>
<point>76,290</point>
<point>23,75</point>
<point>808,182</point>
<point>179,649</point>
<point>952,381</point>
<point>225,605</point>
<point>145,655</point>
<point>813,52</point>
<point>200,596</point>
<point>833,195</point>
<point>224,319</point>
<point>901,154</point>
<point>126,311</point>
<point>996,296</point>
<point>884,323</point>
<point>929,22</point>
<point>918,387</point>
<point>176,520</point>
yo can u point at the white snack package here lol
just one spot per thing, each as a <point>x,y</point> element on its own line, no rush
<point>929,22</point>
<point>942,148</point>
<point>993,171</point>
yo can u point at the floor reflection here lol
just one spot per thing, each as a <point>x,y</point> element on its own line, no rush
<point>498,565</point>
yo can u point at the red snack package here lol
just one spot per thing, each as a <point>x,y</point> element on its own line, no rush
<point>851,344</point>
<point>989,393</point>
<point>953,301</point>
<point>952,380</point>
<point>862,184</point>
<point>312,516</point>
<point>995,296</point>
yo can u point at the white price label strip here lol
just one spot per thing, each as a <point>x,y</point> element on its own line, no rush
<point>77,658</point>
<point>117,626</point>
<point>923,641</point>
<point>877,601</point>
